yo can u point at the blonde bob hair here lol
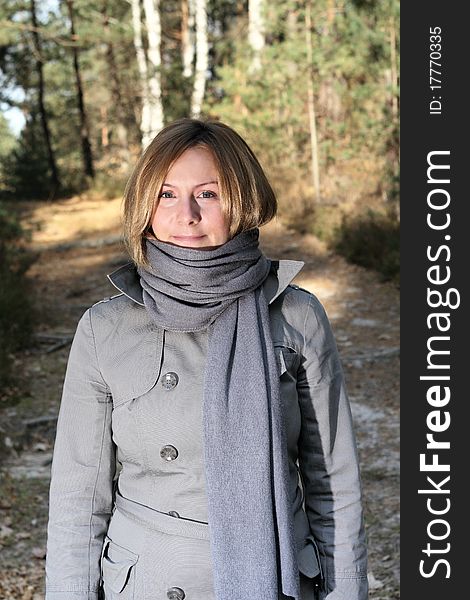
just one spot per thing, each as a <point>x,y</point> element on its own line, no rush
<point>247,198</point>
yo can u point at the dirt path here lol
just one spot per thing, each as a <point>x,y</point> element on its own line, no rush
<point>78,244</point>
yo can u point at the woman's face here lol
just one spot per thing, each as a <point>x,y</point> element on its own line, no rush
<point>189,211</point>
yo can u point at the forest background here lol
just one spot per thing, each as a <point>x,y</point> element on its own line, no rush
<point>312,85</point>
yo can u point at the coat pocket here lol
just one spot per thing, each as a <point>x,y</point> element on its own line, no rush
<point>286,358</point>
<point>309,558</point>
<point>118,568</point>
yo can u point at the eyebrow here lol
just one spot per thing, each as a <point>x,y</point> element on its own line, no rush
<point>198,185</point>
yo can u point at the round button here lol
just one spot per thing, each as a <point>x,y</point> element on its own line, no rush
<point>168,452</point>
<point>170,380</point>
<point>175,593</point>
<point>173,513</point>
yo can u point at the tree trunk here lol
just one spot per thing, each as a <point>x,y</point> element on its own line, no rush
<point>330,16</point>
<point>394,70</point>
<point>255,33</point>
<point>395,99</point>
<point>154,36</point>
<point>311,103</point>
<point>84,129</point>
<point>152,110</point>
<point>104,127</point>
<point>187,36</point>
<point>55,182</point>
<point>124,112</point>
<point>142,66</point>
<point>202,58</point>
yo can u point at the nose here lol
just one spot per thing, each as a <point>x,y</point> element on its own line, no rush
<point>189,211</point>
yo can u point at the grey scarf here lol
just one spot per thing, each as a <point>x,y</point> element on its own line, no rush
<point>250,512</point>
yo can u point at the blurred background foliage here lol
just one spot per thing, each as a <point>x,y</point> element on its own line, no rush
<point>16,302</point>
<point>312,85</point>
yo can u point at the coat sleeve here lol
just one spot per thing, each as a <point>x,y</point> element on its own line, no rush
<point>328,462</point>
<point>83,466</point>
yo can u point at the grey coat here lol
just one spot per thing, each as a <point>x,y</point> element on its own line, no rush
<point>127,497</point>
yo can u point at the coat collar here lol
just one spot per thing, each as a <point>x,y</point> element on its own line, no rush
<point>127,280</point>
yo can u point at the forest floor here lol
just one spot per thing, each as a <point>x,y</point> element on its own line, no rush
<point>77,243</point>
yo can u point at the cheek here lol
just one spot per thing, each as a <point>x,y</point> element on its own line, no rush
<point>220,223</point>
<point>158,219</point>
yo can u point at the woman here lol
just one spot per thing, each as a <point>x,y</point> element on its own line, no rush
<point>204,446</point>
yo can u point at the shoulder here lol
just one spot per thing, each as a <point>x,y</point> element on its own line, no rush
<point>298,317</point>
<point>111,304</point>
<point>299,300</point>
<point>115,314</point>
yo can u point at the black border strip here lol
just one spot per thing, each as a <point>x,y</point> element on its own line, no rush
<point>434,134</point>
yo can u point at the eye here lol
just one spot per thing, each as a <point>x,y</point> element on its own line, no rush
<point>209,194</point>
<point>162,194</point>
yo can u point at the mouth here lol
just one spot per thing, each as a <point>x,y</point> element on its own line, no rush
<point>188,238</point>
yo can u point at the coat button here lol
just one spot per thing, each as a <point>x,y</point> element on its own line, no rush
<point>168,452</point>
<point>175,593</point>
<point>173,513</point>
<point>170,380</point>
